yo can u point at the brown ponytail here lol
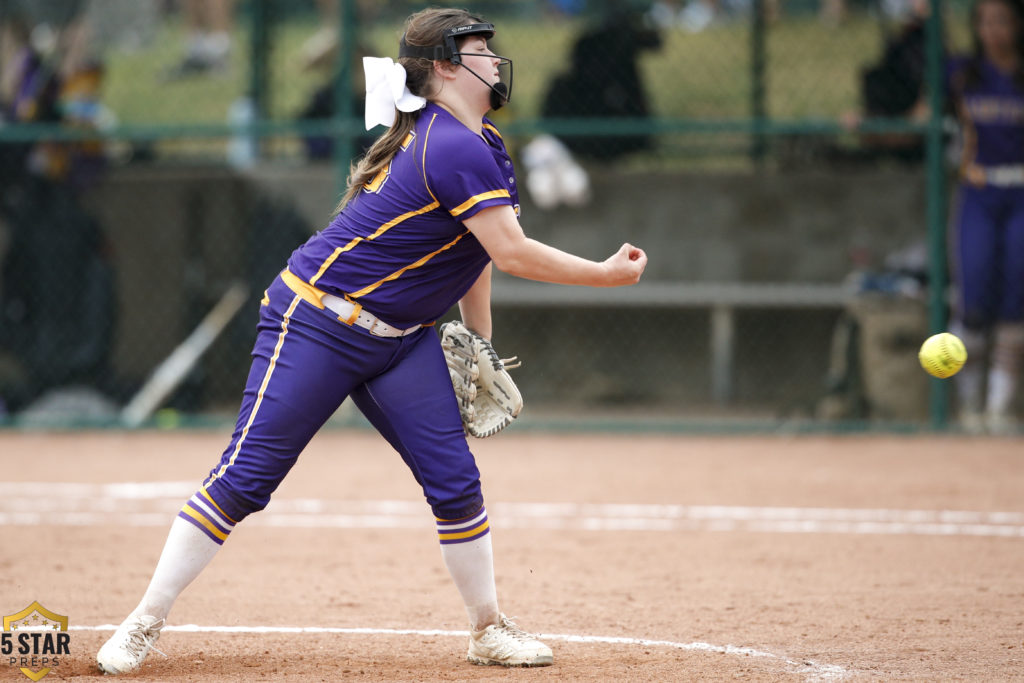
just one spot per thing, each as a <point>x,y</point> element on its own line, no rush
<point>423,28</point>
<point>378,156</point>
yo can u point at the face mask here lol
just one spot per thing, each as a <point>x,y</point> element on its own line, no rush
<point>501,92</point>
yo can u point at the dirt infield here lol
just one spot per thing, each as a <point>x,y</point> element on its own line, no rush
<point>646,558</point>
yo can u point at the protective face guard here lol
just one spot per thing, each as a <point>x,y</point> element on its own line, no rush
<point>501,93</point>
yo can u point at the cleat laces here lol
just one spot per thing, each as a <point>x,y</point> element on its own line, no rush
<point>139,640</point>
<point>512,629</point>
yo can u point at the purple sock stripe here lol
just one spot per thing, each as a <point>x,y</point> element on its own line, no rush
<point>462,527</point>
<point>203,506</point>
<point>202,528</point>
<point>460,520</point>
<point>475,520</point>
<point>206,515</point>
<point>468,538</point>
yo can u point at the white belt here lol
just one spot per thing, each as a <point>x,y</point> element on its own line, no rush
<point>372,323</point>
<point>1004,176</point>
<point>348,313</point>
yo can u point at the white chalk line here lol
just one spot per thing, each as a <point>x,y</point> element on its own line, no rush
<point>813,671</point>
<point>151,504</point>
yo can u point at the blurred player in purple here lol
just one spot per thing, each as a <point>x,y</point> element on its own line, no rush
<point>428,209</point>
<point>987,237</point>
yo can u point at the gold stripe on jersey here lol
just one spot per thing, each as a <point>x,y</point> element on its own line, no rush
<point>331,259</point>
<point>423,161</point>
<point>398,273</point>
<point>476,199</point>
<point>493,130</point>
<point>263,388</point>
<point>377,233</point>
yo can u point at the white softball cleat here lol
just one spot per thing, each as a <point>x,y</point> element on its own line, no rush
<point>127,648</point>
<point>505,644</point>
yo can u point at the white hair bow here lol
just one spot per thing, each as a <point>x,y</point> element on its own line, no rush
<point>387,92</point>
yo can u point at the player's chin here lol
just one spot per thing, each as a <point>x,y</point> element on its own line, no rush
<point>485,102</point>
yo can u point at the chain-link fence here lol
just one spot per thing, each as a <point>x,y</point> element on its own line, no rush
<point>771,157</point>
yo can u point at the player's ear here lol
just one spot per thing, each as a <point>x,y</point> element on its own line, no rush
<point>444,69</point>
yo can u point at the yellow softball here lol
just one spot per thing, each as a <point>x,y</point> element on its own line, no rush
<point>942,355</point>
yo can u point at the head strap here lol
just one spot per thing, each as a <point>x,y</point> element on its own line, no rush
<point>447,50</point>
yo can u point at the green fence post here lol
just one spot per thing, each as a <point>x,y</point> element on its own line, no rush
<point>259,59</point>
<point>344,147</point>
<point>936,200</point>
<point>758,110</point>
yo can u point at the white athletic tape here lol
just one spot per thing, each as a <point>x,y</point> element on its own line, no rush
<point>813,671</point>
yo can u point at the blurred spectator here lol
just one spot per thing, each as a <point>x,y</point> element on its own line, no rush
<point>893,88</point>
<point>665,13</point>
<point>694,16</point>
<point>553,177</point>
<point>56,298</point>
<point>322,105</point>
<point>894,85</point>
<point>76,32</point>
<point>603,82</point>
<point>208,43</point>
<point>48,25</point>
<point>986,89</point>
<point>566,8</point>
<point>698,15</point>
<point>42,84</point>
<point>57,301</point>
<point>320,50</point>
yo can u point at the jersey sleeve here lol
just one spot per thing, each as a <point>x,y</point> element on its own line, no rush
<point>462,174</point>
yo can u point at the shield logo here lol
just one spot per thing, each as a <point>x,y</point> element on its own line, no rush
<point>36,619</point>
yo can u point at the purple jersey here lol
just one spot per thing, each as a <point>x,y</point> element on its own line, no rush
<point>399,247</point>
<point>991,113</point>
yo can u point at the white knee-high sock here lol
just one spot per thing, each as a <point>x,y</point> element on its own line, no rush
<point>196,535</point>
<point>969,379</point>
<point>466,549</point>
<point>1007,350</point>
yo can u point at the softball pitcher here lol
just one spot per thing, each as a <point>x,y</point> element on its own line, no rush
<point>987,236</point>
<point>430,207</point>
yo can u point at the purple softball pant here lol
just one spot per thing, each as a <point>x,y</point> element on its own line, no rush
<point>305,364</point>
<point>987,248</point>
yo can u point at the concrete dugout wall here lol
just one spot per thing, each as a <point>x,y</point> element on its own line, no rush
<point>181,234</point>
